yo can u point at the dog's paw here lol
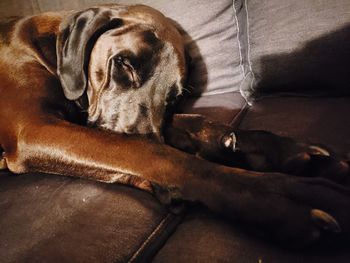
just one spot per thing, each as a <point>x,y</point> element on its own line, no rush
<point>314,161</point>
<point>264,151</point>
<point>294,211</point>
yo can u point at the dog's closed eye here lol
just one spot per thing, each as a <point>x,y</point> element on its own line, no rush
<point>124,72</point>
<point>124,62</point>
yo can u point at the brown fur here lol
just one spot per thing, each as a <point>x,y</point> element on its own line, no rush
<point>41,131</point>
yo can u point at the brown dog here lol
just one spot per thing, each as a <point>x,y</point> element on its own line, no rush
<point>115,68</point>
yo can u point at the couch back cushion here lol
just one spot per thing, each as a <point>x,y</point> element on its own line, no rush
<point>252,46</point>
<point>299,46</point>
<point>209,29</point>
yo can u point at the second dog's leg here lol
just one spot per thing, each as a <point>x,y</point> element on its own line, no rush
<point>254,150</point>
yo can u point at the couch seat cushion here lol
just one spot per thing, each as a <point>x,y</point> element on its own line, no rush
<point>309,119</point>
<point>225,108</point>
<point>47,218</point>
<point>202,237</point>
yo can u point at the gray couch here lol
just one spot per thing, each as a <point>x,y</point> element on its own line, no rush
<point>276,65</point>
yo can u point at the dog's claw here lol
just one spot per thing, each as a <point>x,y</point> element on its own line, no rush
<point>316,150</point>
<point>227,141</point>
<point>325,221</point>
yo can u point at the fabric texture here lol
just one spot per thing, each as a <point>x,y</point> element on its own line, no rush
<point>203,237</point>
<point>48,218</point>
<point>313,120</point>
<point>317,120</point>
<point>299,46</point>
<point>225,108</point>
<point>210,30</point>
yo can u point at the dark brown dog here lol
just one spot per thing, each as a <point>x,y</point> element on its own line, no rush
<point>115,68</point>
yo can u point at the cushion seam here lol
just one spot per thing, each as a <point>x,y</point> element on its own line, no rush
<point>237,118</point>
<point>248,46</point>
<point>238,39</point>
<point>147,241</point>
<point>241,66</point>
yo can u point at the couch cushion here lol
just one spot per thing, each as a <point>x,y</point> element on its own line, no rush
<point>202,237</point>
<point>299,46</point>
<point>313,120</point>
<point>47,218</point>
<point>225,108</point>
<point>209,28</point>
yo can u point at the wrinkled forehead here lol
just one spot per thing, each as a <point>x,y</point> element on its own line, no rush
<point>143,35</point>
<point>162,26</point>
<point>135,39</point>
<point>137,43</point>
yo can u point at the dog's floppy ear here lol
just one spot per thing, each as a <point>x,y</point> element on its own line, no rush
<point>76,37</point>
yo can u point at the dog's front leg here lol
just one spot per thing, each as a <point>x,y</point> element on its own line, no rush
<point>282,205</point>
<point>60,147</point>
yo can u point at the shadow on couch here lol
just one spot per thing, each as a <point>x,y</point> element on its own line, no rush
<point>319,67</point>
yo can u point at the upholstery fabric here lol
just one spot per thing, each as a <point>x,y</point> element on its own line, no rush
<point>315,120</point>
<point>48,218</point>
<point>209,28</point>
<point>225,108</point>
<point>213,239</point>
<point>299,46</point>
<point>290,46</point>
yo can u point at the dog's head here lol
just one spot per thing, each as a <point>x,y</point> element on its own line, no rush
<point>127,61</point>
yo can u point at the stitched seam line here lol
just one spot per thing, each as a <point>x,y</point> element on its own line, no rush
<point>238,41</point>
<point>237,119</point>
<point>248,44</point>
<point>243,82</point>
<point>220,91</point>
<point>150,237</point>
<point>248,39</point>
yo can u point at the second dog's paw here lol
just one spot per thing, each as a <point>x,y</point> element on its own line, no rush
<point>317,150</point>
<point>315,161</point>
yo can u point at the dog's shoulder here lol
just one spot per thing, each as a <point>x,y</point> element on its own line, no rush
<point>30,38</point>
<point>15,30</point>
